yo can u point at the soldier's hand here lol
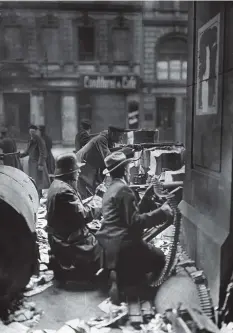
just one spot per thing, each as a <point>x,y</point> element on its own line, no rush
<point>167,210</point>
<point>100,190</point>
<point>40,167</point>
<point>149,191</point>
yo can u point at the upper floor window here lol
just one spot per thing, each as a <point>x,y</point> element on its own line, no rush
<point>121,44</point>
<point>13,43</point>
<point>50,44</point>
<point>166,5</point>
<point>86,45</point>
<point>172,57</point>
<point>183,6</point>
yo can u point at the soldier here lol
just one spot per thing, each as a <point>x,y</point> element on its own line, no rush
<point>83,136</point>
<point>127,257</point>
<point>93,155</point>
<point>73,247</point>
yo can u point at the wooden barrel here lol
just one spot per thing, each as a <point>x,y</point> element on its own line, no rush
<point>19,203</point>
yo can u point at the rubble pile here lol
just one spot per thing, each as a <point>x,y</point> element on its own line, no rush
<point>44,279</point>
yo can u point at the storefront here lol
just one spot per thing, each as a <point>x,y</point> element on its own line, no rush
<point>29,97</point>
<point>105,99</point>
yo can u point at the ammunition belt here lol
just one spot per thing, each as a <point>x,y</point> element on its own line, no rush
<point>170,258</point>
<point>172,264</point>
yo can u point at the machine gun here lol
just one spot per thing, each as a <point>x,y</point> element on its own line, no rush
<point>151,233</point>
<point>173,198</point>
<point>141,146</point>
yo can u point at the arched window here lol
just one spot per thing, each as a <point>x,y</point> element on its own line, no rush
<point>172,54</point>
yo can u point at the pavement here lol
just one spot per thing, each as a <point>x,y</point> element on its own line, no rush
<point>61,305</point>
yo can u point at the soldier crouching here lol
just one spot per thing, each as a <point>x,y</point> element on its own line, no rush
<point>74,249</point>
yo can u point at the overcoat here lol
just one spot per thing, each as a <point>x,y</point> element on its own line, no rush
<point>123,224</point>
<point>71,241</point>
<point>50,161</point>
<point>36,151</point>
<point>93,155</point>
<point>82,139</point>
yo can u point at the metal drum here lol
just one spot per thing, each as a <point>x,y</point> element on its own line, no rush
<point>19,202</point>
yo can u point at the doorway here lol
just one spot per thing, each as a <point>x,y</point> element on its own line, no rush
<point>52,105</point>
<point>165,114</point>
<point>17,114</point>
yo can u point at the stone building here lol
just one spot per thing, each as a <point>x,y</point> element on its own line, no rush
<point>207,202</point>
<point>121,63</point>
<point>164,72</point>
<point>61,62</point>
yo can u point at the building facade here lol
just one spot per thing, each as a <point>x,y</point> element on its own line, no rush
<point>60,63</point>
<point>207,201</point>
<point>165,55</point>
<point>120,63</point>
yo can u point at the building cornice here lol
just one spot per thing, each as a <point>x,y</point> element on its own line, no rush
<point>165,22</point>
<point>103,6</point>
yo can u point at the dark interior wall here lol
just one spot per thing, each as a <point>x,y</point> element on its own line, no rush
<point>206,208</point>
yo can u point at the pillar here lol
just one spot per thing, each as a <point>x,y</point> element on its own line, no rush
<point>179,119</point>
<point>2,117</point>
<point>37,109</point>
<point>69,118</point>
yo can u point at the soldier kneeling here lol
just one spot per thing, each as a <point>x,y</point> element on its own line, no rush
<point>127,257</point>
<point>75,251</point>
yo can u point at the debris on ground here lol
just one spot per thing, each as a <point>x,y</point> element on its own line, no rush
<point>23,312</point>
<point>113,314</point>
<point>13,328</point>
<point>38,284</point>
<point>227,328</point>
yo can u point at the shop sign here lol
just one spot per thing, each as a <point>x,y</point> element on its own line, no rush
<point>126,82</point>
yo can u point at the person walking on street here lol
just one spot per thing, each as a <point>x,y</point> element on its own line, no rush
<point>37,168</point>
<point>83,136</point>
<point>9,149</point>
<point>50,161</point>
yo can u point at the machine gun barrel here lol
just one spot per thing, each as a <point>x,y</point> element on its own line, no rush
<point>172,185</point>
<point>141,146</point>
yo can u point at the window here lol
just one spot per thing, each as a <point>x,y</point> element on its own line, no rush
<point>166,5</point>
<point>183,6</point>
<point>121,44</point>
<point>172,57</point>
<point>17,113</point>
<point>50,45</point>
<point>165,108</point>
<point>86,45</point>
<point>13,43</point>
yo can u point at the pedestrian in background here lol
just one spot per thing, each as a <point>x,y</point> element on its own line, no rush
<point>83,137</point>
<point>9,148</point>
<point>37,168</point>
<point>50,161</point>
